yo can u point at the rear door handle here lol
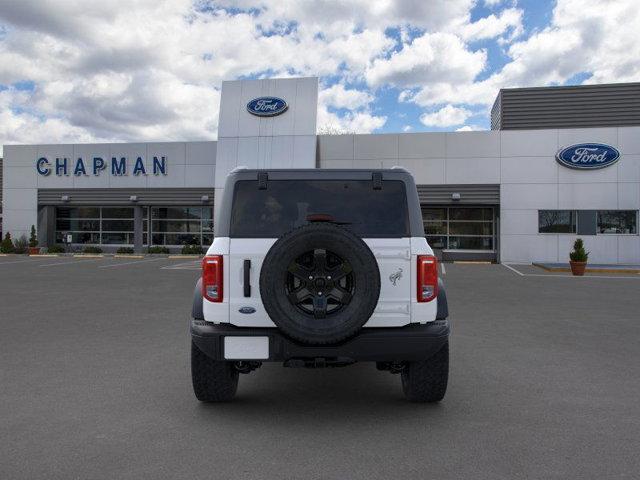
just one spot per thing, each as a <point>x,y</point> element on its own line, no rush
<point>247,278</point>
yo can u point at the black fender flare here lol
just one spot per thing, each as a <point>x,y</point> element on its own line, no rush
<point>196,307</point>
<point>443,306</point>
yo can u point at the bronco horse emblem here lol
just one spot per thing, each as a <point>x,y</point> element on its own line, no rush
<point>394,277</point>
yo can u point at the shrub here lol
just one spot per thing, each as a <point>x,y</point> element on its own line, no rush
<point>7,244</point>
<point>158,249</point>
<point>21,244</point>
<point>192,250</point>
<point>91,249</point>
<point>55,249</point>
<point>124,250</point>
<point>33,238</point>
<point>579,254</point>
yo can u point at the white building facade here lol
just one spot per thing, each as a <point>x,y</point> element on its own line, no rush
<point>500,195</point>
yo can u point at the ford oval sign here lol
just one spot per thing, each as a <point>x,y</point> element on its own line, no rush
<point>267,106</point>
<point>588,156</point>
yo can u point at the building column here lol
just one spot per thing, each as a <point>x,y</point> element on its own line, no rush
<point>138,229</point>
<point>46,229</point>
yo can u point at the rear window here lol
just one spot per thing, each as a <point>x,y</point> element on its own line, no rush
<point>287,204</point>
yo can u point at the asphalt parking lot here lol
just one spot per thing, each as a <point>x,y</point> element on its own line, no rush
<point>95,383</point>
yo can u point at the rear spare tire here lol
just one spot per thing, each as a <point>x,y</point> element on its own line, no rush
<point>319,283</point>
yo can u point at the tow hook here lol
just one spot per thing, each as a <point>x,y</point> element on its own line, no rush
<point>247,367</point>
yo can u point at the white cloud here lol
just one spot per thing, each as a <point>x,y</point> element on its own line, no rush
<point>338,96</point>
<point>583,37</point>
<point>492,3</point>
<point>469,128</point>
<point>432,57</point>
<point>447,116</point>
<point>407,128</point>
<point>509,20</point>
<point>351,122</point>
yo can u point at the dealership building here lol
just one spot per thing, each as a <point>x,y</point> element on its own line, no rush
<point>559,163</point>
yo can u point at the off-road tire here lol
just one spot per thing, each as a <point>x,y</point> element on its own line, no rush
<point>426,380</point>
<point>337,326</point>
<point>213,381</point>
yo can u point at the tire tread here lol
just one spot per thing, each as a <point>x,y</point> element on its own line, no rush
<point>426,381</point>
<point>213,381</point>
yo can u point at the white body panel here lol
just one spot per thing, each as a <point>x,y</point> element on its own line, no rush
<point>397,260</point>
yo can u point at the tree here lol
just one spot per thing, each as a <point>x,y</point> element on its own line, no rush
<point>33,238</point>
<point>7,244</point>
<point>332,129</point>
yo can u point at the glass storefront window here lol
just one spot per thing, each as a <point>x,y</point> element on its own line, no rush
<point>117,238</point>
<point>439,242</point>
<point>483,214</point>
<point>435,228</point>
<point>470,243</point>
<point>78,212</point>
<point>177,226</point>
<point>618,221</point>
<point>79,237</point>
<point>459,228</point>
<point>95,225</point>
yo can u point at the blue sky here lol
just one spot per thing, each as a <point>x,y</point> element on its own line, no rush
<point>77,71</point>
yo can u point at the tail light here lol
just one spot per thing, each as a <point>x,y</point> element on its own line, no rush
<point>427,278</point>
<point>212,278</point>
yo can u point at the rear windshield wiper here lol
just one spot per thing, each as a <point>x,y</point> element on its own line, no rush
<point>325,217</point>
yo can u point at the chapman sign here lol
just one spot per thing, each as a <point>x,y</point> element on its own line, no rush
<point>267,106</point>
<point>588,156</point>
<point>96,165</point>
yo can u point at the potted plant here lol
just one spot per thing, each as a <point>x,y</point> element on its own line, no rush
<point>578,258</point>
<point>33,242</point>
<point>21,245</point>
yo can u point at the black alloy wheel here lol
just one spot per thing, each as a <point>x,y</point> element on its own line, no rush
<point>320,283</point>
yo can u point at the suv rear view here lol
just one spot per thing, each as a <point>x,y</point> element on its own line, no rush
<point>317,268</point>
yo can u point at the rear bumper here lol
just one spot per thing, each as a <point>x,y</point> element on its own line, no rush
<point>410,343</point>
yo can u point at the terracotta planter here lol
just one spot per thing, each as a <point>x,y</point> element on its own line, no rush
<point>34,250</point>
<point>578,268</point>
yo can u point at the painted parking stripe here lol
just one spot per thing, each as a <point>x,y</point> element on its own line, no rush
<point>130,263</point>
<point>71,262</point>
<point>183,266</point>
<point>513,269</point>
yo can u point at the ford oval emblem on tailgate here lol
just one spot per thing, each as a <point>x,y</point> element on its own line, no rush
<point>247,310</point>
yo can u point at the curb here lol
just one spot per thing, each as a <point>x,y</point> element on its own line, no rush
<point>472,262</point>
<point>588,270</point>
<point>184,256</point>
<point>122,255</point>
<point>88,255</point>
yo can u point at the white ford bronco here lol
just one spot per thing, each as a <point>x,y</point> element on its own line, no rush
<point>320,268</point>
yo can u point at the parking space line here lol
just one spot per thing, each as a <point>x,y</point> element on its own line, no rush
<point>513,269</point>
<point>71,262</point>
<point>444,270</point>
<point>130,263</point>
<point>183,266</point>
